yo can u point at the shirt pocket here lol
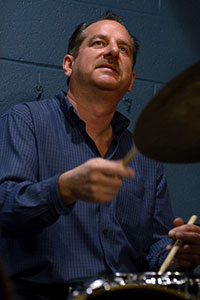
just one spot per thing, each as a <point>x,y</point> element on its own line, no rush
<point>134,212</point>
<point>130,199</point>
<point>132,187</point>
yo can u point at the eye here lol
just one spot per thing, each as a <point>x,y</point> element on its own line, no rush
<point>98,43</point>
<point>123,49</point>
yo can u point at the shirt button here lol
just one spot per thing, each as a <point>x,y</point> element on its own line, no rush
<point>105,231</point>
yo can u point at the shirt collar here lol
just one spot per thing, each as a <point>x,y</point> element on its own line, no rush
<point>119,122</point>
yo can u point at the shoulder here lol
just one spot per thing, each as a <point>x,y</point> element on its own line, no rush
<point>34,110</point>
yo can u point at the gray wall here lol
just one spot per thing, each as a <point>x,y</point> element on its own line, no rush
<point>33,41</point>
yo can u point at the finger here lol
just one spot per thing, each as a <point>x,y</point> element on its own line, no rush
<point>187,249</point>
<point>186,260</point>
<point>103,179</point>
<point>114,181</point>
<point>177,223</point>
<point>115,168</point>
<point>185,263</point>
<point>189,237</point>
<point>119,171</point>
<point>182,229</point>
<point>103,188</point>
<point>190,249</point>
<point>186,231</point>
<point>103,194</point>
<point>193,259</point>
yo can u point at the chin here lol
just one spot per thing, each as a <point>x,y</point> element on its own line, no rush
<point>107,85</point>
<point>106,88</point>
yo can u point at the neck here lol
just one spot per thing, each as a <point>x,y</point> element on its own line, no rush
<point>97,113</point>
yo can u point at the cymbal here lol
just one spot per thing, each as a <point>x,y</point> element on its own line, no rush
<point>168,129</point>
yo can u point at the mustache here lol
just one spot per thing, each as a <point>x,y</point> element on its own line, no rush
<point>110,62</point>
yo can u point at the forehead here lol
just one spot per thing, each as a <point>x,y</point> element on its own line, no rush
<point>108,28</point>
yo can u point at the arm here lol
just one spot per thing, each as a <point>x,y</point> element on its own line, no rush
<point>29,203</point>
<point>26,204</point>
<point>188,256</point>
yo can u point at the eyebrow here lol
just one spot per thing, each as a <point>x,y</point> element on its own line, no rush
<point>97,36</point>
<point>120,41</point>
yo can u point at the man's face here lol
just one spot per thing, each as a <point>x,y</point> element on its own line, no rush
<point>105,57</point>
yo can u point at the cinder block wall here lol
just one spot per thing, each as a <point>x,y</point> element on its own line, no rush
<point>33,41</point>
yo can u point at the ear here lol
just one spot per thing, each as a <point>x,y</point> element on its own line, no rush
<point>67,64</point>
<point>132,81</point>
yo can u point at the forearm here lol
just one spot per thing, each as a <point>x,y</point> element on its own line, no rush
<point>28,206</point>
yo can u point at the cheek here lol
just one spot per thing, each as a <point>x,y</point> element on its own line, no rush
<point>128,72</point>
<point>84,63</point>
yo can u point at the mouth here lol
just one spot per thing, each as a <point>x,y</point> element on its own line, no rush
<point>109,67</point>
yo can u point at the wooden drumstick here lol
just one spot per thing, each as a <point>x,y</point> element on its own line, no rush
<point>174,249</point>
<point>129,156</point>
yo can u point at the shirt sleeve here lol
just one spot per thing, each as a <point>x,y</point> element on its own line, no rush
<point>26,203</point>
<point>162,222</point>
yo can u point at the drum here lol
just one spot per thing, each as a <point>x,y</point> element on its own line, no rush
<point>194,285</point>
<point>135,286</point>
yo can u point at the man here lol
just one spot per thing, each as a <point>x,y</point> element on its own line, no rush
<point>69,208</point>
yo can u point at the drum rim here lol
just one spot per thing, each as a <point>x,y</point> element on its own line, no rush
<point>167,291</point>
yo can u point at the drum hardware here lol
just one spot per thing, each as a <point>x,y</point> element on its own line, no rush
<point>175,280</point>
<point>169,285</point>
<point>194,285</point>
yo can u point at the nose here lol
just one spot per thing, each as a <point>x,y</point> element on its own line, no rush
<point>112,50</point>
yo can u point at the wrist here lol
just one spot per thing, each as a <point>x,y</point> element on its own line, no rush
<point>64,190</point>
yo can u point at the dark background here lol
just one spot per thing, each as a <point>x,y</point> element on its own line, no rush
<point>33,42</point>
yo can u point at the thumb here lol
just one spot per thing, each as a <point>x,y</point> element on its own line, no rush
<point>178,222</point>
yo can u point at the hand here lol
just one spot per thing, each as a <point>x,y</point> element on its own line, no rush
<point>97,180</point>
<point>188,256</point>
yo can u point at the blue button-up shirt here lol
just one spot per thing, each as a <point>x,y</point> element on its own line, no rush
<point>44,241</point>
